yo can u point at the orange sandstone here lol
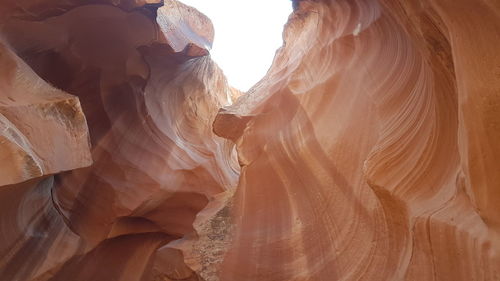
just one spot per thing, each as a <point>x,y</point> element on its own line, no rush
<point>369,151</point>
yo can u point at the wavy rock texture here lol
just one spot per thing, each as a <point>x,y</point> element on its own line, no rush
<point>43,129</point>
<point>361,157</point>
<point>368,151</point>
<point>157,164</point>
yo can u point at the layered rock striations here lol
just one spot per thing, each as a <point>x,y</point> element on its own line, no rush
<point>368,169</point>
<point>156,162</point>
<point>367,152</point>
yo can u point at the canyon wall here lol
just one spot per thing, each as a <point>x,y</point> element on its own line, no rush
<point>369,151</point>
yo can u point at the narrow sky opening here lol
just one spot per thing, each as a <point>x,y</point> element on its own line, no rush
<point>247,35</point>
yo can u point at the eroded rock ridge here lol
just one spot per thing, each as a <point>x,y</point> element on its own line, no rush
<point>369,151</point>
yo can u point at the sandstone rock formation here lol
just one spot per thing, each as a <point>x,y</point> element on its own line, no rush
<point>369,151</point>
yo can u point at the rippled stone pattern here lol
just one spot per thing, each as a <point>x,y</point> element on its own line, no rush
<point>369,151</point>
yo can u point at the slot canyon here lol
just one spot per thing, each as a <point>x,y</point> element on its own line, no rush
<point>369,151</point>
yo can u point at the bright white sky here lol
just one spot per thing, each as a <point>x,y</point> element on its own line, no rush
<point>247,34</point>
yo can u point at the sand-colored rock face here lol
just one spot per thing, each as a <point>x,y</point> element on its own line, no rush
<point>368,152</point>
<point>42,129</point>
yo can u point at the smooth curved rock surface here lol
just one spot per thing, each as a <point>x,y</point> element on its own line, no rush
<point>368,151</point>
<point>43,129</point>
<point>157,162</point>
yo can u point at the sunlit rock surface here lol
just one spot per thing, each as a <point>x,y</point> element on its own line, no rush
<point>42,129</point>
<point>369,151</point>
